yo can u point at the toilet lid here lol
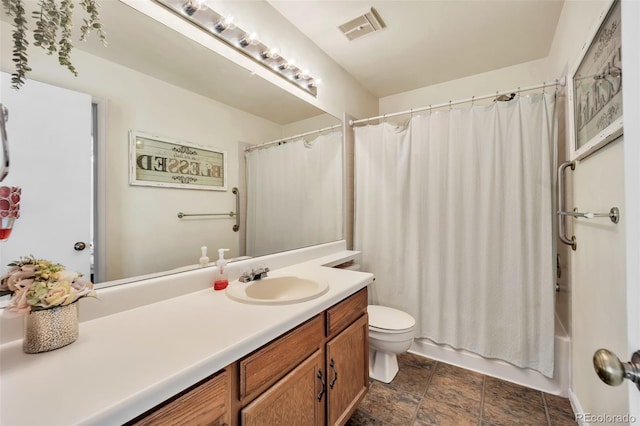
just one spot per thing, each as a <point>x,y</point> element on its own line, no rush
<point>387,318</point>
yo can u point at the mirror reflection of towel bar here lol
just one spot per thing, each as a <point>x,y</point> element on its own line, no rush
<point>613,214</point>
<point>235,214</point>
<point>181,215</point>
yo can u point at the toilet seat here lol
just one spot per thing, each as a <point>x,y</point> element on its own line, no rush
<point>389,320</point>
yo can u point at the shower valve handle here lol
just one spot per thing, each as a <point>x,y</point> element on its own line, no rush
<point>612,371</point>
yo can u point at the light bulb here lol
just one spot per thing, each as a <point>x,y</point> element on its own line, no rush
<point>223,23</point>
<point>270,54</point>
<point>247,39</point>
<point>192,6</point>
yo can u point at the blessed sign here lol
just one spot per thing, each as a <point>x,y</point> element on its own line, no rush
<point>597,87</point>
<point>157,161</point>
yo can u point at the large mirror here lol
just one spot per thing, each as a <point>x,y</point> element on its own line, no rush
<point>151,79</point>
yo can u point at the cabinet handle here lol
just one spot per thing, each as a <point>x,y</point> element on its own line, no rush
<point>324,386</point>
<point>335,373</point>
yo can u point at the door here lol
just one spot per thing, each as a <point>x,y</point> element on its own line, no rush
<point>606,280</point>
<point>347,371</point>
<point>297,399</point>
<point>631,107</point>
<point>49,130</point>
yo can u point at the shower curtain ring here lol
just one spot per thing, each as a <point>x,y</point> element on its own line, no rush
<point>449,105</point>
<point>544,87</point>
<point>473,98</point>
<point>518,91</point>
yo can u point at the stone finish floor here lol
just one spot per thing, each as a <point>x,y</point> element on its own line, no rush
<point>428,392</point>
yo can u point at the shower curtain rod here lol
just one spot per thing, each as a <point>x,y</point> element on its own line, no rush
<point>278,141</point>
<point>561,82</point>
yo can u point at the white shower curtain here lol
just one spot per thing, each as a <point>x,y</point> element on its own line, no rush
<point>454,216</point>
<point>294,194</point>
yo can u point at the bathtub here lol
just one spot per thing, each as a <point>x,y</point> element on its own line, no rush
<point>559,385</point>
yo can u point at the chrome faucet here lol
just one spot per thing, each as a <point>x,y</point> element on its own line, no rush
<point>254,275</point>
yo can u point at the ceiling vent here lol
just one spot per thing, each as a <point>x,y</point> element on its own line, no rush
<point>368,23</point>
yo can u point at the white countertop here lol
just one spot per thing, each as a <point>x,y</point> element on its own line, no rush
<point>126,363</point>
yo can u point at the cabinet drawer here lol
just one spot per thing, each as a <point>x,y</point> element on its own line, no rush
<point>205,404</point>
<point>273,361</point>
<point>341,315</point>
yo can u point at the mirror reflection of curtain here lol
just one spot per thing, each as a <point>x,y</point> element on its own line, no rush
<point>294,195</point>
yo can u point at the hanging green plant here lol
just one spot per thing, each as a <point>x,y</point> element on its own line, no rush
<point>51,18</point>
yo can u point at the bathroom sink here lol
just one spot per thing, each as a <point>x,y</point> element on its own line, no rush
<point>281,290</point>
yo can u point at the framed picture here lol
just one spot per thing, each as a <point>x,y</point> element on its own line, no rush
<point>595,87</point>
<point>159,161</point>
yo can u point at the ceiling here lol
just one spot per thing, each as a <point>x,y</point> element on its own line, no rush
<point>426,42</point>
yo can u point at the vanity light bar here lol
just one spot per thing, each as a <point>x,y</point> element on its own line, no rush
<point>221,27</point>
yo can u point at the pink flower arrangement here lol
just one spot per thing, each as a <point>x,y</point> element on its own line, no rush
<point>37,284</point>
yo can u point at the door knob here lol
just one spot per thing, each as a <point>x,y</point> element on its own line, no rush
<point>612,371</point>
<point>79,246</point>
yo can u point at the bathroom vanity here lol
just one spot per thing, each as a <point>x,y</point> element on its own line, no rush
<point>201,357</point>
<point>318,371</point>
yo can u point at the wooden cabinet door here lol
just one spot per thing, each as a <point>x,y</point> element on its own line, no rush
<point>207,404</point>
<point>347,371</point>
<point>297,399</point>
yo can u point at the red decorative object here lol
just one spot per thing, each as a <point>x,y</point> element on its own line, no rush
<point>9,209</point>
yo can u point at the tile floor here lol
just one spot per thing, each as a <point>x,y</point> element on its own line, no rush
<point>427,392</point>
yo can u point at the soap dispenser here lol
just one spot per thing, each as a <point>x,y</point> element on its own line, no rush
<point>222,280</point>
<point>204,259</point>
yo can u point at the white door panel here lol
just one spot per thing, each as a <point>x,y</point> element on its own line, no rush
<point>49,132</point>
<point>631,108</point>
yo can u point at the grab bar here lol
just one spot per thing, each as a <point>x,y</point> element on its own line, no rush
<point>236,227</point>
<point>181,215</point>
<point>235,214</point>
<point>561,231</point>
<point>613,214</point>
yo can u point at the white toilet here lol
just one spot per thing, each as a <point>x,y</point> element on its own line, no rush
<point>390,332</point>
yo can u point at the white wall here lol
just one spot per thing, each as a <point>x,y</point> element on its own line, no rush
<point>521,75</point>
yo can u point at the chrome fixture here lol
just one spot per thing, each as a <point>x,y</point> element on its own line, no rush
<point>560,82</point>
<point>221,27</point>
<point>223,23</point>
<point>613,214</point>
<point>612,371</point>
<point>561,233</point>
<point>181,215</point>
<point>247,40</point>
<point>269,54</point>
<point>254,275</point>
<point>235,214</point>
